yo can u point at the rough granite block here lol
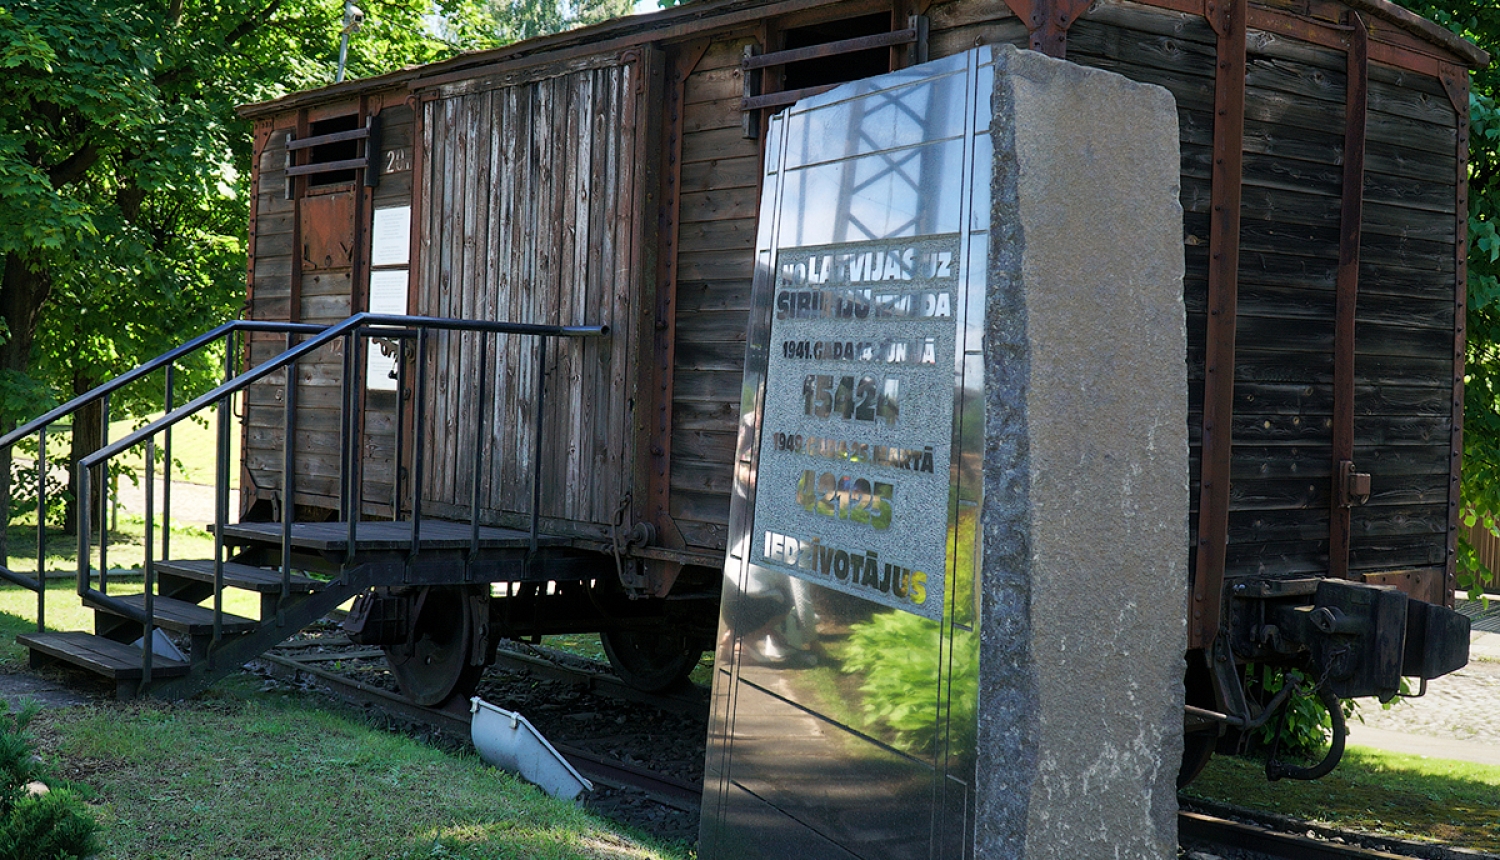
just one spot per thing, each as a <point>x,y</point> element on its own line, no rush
<point>1086,469</point>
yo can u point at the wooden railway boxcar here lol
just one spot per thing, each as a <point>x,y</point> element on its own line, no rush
<point>610,176</point>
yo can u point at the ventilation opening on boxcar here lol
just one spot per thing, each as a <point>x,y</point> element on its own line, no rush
<point>842,67</point>
<point>328,153</point>
<point>816,57</point>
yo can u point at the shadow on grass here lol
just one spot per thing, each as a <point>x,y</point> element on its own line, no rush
<point>61,548</point>
<point>1409,797</point>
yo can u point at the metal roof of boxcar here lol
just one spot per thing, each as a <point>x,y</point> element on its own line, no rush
<point>685,20</point>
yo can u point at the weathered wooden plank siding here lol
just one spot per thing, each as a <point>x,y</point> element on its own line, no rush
<point>535,198</point>
<point>715,260</point>
<point>1289,255</point>
<point>528,219</point>
<point>1281,467</point>
<point>328,294</point>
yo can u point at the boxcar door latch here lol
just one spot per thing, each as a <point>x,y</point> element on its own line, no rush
<point>1353,487</point>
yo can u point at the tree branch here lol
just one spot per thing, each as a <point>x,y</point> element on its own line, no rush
<point>250,24</point>
<point>72,168</point>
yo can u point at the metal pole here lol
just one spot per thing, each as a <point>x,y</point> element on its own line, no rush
<point>396,464</point>
<point>84,502</point>
<point>479,448</point>
<point>166,471</point>
<point>147,568</point>
<point>288,470</point>
<point>536,463</point>
<point>83,533</point>
<point>221,496</point>
<point>352,386</point>
<point>41,530</point>
<point>419,418</point>
<point>345,430</point>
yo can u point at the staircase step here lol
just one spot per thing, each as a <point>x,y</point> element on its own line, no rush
<point>106,657</point>
<point>237,575</point>
<point>180,616</point>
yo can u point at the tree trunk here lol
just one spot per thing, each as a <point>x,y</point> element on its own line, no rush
<point>88,437</point>
<point>23,291</point>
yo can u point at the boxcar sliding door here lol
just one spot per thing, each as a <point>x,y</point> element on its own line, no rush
<point>533,185</point>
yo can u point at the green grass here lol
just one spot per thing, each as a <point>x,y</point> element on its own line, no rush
<point>126,546</point>
<point>242,773</point>
<point>194,445</point>
<point>238,773</point>
<point>1374,791</point>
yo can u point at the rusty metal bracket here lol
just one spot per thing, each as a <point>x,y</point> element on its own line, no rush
<point>1048,22</point>
<point>1206,609</point>
<point>1346,296</point>
<point>1456,85</point>
<point>1351,488</point>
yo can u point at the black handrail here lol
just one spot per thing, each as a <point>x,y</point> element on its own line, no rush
<point>101,393</point>
<point>168,357</point>
<point>352,330</point>
<point>327,335</point>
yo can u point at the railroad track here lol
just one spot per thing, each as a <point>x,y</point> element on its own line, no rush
<point>1203,827</point>
<point>453,720</point>
<point>1211,828</point>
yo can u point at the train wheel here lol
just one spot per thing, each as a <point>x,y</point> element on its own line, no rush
<point>435,667</point>
<point>1198,746</point>
<point>648,660</point>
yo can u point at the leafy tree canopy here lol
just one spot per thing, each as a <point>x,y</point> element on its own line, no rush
<point>517,20</point>
<point>1479,22</point>
<point>123,168</point>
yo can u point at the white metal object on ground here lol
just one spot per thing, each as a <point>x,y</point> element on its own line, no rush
<point>508,741</point>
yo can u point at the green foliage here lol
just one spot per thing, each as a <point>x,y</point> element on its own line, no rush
<point>124,170</point>
<point>1479,21</point>
<point>23,492</point>
<point>1306,725</point>
<point>51,826</point>
<point>516,20</point>
<point>905,663</point>
<point>901,658</point>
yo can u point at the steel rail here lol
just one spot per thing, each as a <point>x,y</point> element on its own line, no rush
<point>1197,827</point>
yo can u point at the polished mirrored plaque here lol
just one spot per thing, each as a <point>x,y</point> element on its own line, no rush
<point>844,697</point>
<point>857,430</point>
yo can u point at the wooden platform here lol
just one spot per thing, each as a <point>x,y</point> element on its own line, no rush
<point>241,576</point>
<point>106,657</point>
<point>179,616</point>
<point>385,536</point>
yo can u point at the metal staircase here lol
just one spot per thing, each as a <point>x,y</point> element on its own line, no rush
<point>300,570</point>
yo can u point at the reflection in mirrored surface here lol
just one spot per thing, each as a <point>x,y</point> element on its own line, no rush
<point>907,192</point>
<point>887,119</point>
<point>846,692</point>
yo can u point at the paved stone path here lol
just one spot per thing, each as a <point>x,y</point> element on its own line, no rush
<point>1459,718</point>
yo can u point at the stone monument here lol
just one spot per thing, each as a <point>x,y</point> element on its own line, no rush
<point>953,619</point>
